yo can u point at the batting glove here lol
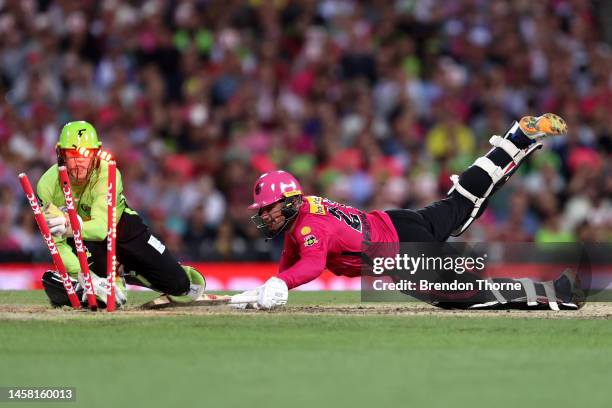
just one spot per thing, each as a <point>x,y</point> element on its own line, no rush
<point>273,294</point>
<point>244,300</point>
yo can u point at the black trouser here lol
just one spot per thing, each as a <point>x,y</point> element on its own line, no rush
<point>140,251</point>
<point>433,223</point>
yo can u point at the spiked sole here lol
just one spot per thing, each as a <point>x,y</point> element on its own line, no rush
<point>548,124</point>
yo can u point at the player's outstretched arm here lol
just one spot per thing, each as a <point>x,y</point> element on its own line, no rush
<point>275,291</point>
<point>271,295</point>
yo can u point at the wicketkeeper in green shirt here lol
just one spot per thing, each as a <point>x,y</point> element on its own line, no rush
<point>143,257</point>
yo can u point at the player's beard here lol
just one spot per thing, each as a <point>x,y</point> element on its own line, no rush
<point>276,223</point>
<point>78,171</point>
<point>277,220</point>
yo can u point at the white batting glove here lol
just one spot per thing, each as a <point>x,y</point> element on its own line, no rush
<point>244,300</point>
<point>273,294</point>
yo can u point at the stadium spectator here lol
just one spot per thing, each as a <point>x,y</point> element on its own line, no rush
<point>374,103</point>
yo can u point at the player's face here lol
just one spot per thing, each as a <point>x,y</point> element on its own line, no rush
<point>78,166</point>
<point>272,216</point>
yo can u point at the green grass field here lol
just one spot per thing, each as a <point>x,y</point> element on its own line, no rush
<point>259,359</point>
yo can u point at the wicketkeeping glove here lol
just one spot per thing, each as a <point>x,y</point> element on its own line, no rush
<point>58,221</point>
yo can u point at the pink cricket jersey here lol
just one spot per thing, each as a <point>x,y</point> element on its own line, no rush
<point>329,235</point>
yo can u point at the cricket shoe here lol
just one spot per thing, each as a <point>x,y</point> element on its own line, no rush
<point>197,285</point>
<point>569,290</point>
<point>539,127</point>
<point>564,293</point>
<point>519,142</point>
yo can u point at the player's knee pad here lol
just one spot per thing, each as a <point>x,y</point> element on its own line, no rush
<point>55,291</point>
<point>498,175</point>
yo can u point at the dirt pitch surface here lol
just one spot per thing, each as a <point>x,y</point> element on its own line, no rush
<point>590,311</point>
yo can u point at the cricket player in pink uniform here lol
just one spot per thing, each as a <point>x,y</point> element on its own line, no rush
<point>321,234</point>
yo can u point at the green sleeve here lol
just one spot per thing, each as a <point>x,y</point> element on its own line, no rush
<point>95,228</point>
<point>71,262</point>
<point>45,193</point>
<point>44,187</point>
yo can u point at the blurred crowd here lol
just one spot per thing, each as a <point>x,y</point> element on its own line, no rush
<point>373,103</point>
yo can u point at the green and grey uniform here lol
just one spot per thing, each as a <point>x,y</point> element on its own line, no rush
<point>137,249</point>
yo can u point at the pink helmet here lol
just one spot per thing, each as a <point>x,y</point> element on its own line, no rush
<point>274,186</point>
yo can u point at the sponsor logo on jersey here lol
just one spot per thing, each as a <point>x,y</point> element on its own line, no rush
<point>316,205</point>
<point>156,243</point>
<point>305,230</point>
<point>310,240</point>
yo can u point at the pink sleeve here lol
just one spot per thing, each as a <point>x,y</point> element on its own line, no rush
<point>289,255</point>
<point>312,249</point>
